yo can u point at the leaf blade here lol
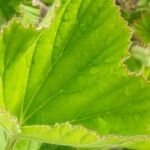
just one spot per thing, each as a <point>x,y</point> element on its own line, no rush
<point>60,134</point>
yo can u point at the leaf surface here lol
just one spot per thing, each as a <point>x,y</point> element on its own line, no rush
<point>29,15</point>
<point>61,134</point>
<point>82,54</point>
<point>72,71</point>
<point>77,136</point>
<point>8,10</point>
<point>142,29</point>
<point>9,124</point>
<point>9,129</point>
<point>31,137</point>
<point>139,61</point>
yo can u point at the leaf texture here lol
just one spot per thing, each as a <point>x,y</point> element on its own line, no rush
<point>72,71</point>
<point>31,137</point>
<point>29,15</point>
<point>9,129</point>
<point>8,10</point>
<point>142,29</point>
<point>61,134</point>
<point>77,136</point>
<point>9,123</point>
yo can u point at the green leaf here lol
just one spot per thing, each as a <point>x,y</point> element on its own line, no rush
<point>48,1</point>
<point>72,72</point>
<point>25,144</point>
<point>144,5</point>
<point>51,12</point>
<point>134,65</point>
<point>139,145</point>
<point>7,9</point>
<point>15,42</point>
<point>105,142</point>
<point>56,147</point>
<point>143,2</point>
<point>142,29</point>
<point>29,15</point>
<point>40,16</point>
<point>22,9</point>
<point>139,61</point>
<point>2,139</point>
<point>77,56</point>
<point>9,124</point>
<point>9,129</point>
<point>76,136</point>
<point>142,54</point>
<point>61,134</point>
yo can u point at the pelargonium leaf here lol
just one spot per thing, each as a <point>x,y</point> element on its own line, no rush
<point>48,1</point>
<point>7,9</point>
<point>142,29</point>
<point>72,71</point>
<point>15,42</point>
<point>139,61</point>
<point>49,16</point>
<point>29,15</point>
<point>61,134</point>
<point>133,65</point>
<point>9,123</point>
<point>142,54</point>
<point>22,9</point>
<point>9,129</point>
<point>76,51</point>
<point>24,144</point>
<point>76,136</point>
<point>2,139</point>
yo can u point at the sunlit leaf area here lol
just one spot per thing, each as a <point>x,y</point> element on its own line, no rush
<point>74,74</point>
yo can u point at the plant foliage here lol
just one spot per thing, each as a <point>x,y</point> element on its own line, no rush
<point>66,75</point>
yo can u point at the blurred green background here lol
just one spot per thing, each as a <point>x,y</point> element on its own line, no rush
<point>135,12</point>
<point>137,15</point>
